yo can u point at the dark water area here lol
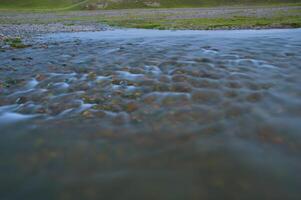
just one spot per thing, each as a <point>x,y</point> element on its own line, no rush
<point>145,114</point>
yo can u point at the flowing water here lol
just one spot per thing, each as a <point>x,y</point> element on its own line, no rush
<point>146,114</point>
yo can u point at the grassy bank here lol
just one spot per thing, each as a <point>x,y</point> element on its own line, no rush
<point>129,4</point>
<point>42,5</point>
<point>182,18</point>
<point>126,4</point>
<point>178,19</point>
<point>235,22</point>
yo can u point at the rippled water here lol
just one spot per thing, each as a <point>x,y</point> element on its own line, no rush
<point>143,114</point>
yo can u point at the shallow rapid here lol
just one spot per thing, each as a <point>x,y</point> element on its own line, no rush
<point>149,114</point>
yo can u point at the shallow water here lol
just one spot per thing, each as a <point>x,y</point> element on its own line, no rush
<point>145,114</point>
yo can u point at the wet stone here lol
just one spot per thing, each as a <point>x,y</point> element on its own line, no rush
<point>10,82</point>
<point>149,99</point>
<point>233,111</point>
<point>203,83</point>
<point>123,82</point>
<point>181,87</point>
<point>205,96</point>
<point>40,77</point>
<point>93,99</point>
<point>176,100</point>
<point>133,95</point>
<point>178,72</point>
<point>254,97</point>
<point>147,82</point>
<point>269,134</point>
<point>164,79</point>
<point>80,86</point>
<point>234,85</point>
<point>93,114</point>
<point>59,107</point>
<point>92,76</point>
<point>162,87</point>
<point>87,114</point>
<point>108,107</point>
<point>21,100</point>
<point>253,86</point>
<point>136,71</point>
<point>231,94</point>
<point>131,106</point>
<point>120,119</point>
<point>204,60</point>
<point>179,78</point>
<point>31,108</point>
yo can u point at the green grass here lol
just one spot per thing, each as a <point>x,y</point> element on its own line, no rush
<point>39,4</point>
<point>196,3</point>
<point>148,20</point>
<point>289,19</point>
<point>154,20</point>
<point>112,4</point>
<point>14,43</point>
<point>208,23</point>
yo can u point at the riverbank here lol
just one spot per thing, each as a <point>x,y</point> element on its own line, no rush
<point>26,24</point>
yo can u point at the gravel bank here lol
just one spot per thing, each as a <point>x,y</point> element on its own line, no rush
<point>29,30</point>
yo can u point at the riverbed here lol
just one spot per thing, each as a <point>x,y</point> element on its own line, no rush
<point>150,114</point>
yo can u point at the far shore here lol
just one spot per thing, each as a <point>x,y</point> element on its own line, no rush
<point>26,24</point>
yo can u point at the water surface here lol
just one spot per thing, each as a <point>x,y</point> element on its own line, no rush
<point>147,114</point>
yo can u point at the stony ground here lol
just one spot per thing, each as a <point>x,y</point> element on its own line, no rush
<point>28,30</point>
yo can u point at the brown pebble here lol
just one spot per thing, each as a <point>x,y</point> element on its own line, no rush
<point>205,96</point>
<point>131,106</point>
<point>254,97</point>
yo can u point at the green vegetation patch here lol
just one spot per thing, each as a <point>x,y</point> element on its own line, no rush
<point>235,22</point>
<point>14,43</point>
<point>38,4</point>
<point>126,4</point>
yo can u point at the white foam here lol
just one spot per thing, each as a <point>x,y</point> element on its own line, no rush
<point>32,84</point>
<point>101,78</point>
<point>128,75</point>
<point>7,108</point>
<point>24,92</point>
<point>165,94</point>
<point>153,69</point>
<point>61,85</point>
<point>62,74</point>
<point>11,117</point>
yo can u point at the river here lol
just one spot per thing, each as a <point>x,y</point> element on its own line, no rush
<point>150,114</point>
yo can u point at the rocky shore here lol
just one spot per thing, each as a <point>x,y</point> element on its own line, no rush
<point>29,30</point>
<point>10,34</point>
